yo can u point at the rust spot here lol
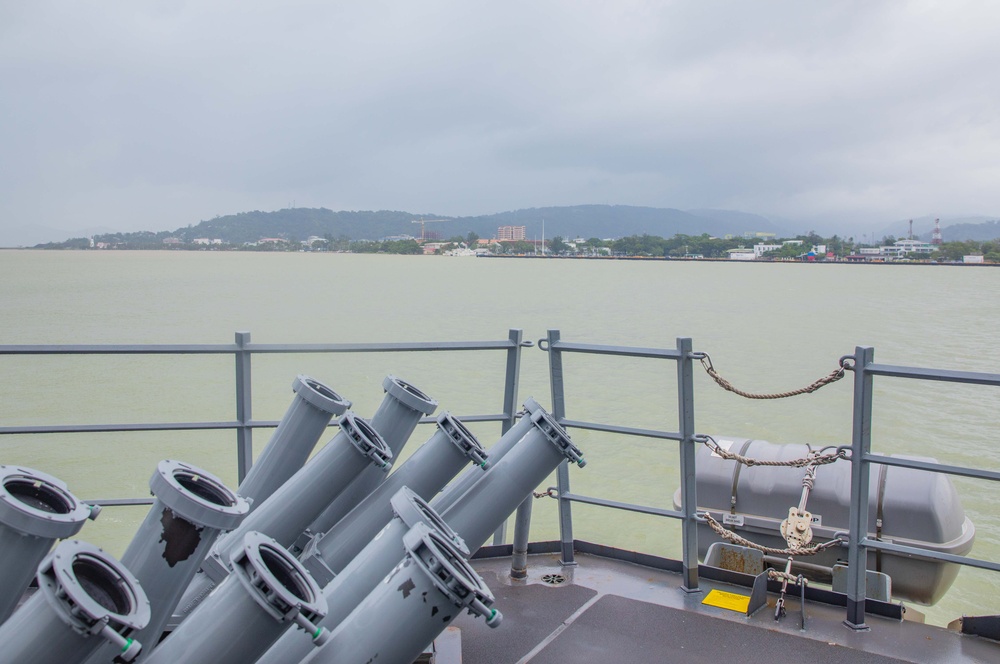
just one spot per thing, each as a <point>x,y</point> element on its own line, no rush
<point>180,535</point>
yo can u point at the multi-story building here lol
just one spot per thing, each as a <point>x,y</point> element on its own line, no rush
<point>510,233</point>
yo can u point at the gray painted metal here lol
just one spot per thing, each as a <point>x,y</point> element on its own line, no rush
<point>366,570</point>
<point>244,406</point>
<point>454,491</point>
<point>267,593</point>
<point>689,494</point>
<point>304,423</point>
<point>395,420</point>
<point>430,587</point>
<point>192,508</point>
<point>290,509</point>
<point>861,444</point>
<point>439,459</point>
<point>558,390</point>
<point>509,481</point>
<point>85,599</point>
<point>522,525</point>
<point>36,509</point>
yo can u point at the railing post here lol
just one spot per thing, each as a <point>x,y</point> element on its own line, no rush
<point>244,407</point>
<point>861,444</point>
<point>689,496</point>
<point>562,472</point>
<point>510,386</point>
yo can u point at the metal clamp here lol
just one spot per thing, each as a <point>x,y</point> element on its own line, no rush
<point>557,436</point>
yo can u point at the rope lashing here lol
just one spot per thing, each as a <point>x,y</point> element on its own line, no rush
<point>832,377</point>
<point>813,459</point>
<point>730,536</point>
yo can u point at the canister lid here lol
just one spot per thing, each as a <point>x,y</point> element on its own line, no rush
<point>38,504</point>
<point>277,581</point>
<point>89,589</point>
<point>319,395</point>
<point>463,439</point>
<point>197,495</point>
<point>367,440</point>
<point>411,509</point>
<point>408,395</point>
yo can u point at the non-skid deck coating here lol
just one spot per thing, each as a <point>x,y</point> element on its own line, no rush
<point>612,611</point>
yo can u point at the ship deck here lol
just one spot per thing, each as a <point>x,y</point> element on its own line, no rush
<point>609,610</point>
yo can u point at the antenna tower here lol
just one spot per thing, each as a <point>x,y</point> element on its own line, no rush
<point>936,237</point>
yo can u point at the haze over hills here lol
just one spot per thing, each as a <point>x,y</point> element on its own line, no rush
<point>586,221</point>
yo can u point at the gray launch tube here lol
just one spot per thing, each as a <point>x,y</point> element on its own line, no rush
<point>36,509</point>
<point>439,459</point>
<point>290,509</point>
<point>502,488</point>
<point>191,509</point>
<point>395,419</point>
<point>422,595</point>
<point>453,492</point>
<point>85,598</point>
<point>267,592</point>
<point>366,570</point>
<point>300,429</point>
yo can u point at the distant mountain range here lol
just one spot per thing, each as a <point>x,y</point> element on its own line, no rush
<point>586,221</point>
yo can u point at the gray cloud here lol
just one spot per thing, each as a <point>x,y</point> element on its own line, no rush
<point>155,115</point>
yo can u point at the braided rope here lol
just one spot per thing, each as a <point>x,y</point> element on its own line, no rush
<point>832,377</point>
<point>813,459</point>
<point>796,551</point>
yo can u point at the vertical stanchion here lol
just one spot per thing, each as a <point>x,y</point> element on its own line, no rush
<point>689,497</point>
<point>562,472</point>
<point>511,378</point>
<point>244,407</point>
<point>861,443</point>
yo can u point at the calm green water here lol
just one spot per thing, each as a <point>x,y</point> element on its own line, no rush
<point>767,327</point>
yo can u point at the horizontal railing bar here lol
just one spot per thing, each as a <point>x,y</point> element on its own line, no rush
<point>162,426</point>
<point>934,467</point>
<point>121,349</point>
<point>119,502</point>
<point>601,502</point>
<point>972,377</point>
<point>192,426</point>
<point>613,428</point>
<point>661,353</point>
<point>505,344</point>
<point>470,418</point>
<point>221,349</point>
<point>930,555</point>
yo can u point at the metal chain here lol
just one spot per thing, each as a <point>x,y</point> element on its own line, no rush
<point>736,539</point>
<point>551,493</point>
<point>832,377</point>
<point>813,459</point>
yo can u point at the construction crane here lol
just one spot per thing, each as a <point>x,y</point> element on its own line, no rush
<point>423,221</point>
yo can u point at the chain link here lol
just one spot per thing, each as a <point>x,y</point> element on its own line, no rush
<point>551,493</point>
<point>832,377</point>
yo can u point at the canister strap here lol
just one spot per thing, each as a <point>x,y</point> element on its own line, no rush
<point>736,477</point>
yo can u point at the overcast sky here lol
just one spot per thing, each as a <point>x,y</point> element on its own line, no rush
<point>137,115</point>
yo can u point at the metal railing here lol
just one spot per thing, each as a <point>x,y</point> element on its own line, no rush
<point>243,352</point>
<point>862,457</point>
<point>859,541</point>
<point>683,356</point>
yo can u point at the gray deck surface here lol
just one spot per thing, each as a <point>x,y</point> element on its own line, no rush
<point>613,611</point>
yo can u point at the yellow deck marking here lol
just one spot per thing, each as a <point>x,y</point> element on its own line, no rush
<point>724,600</point>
